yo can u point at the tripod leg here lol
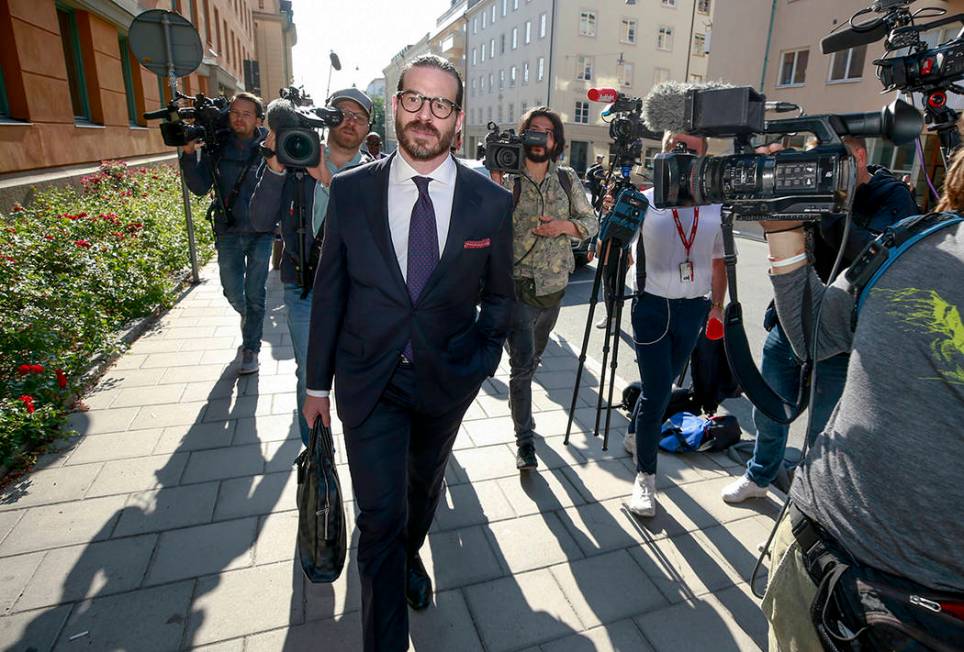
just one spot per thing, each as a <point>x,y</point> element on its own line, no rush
<point>593,299</point>
<point>607,338</point>
<point>618,310</point>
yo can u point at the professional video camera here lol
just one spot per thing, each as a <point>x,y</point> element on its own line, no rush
<point>208,121</point>
<point>504,151</point>
<point>294,122</point>
<point>923,69</point>
<point>626,128</point>
<point>791,185</point>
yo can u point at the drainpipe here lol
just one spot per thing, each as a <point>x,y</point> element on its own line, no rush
<point>766,53</point>
<point>552,38</point>
<point>689,44</point>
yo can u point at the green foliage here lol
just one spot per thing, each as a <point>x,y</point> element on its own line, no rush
<point>74,268</point>
<point>378,115</point>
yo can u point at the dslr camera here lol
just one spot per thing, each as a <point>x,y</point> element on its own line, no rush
<point>297,145</point>
<point>504,151</point>
<point>205,118</point>
<point>790,185</point>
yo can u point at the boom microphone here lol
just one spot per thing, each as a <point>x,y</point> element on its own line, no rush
<point>871,32</point>
<point>664,108</point>
<point>282,114</point>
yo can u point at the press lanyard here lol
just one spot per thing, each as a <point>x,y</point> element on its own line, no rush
<point>687,243</point>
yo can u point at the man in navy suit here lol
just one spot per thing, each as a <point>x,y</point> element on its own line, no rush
<point>413,244</point>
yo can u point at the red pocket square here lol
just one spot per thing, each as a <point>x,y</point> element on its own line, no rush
<point>477,244</point>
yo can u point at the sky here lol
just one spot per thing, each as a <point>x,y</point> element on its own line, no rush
<point>365,34</point>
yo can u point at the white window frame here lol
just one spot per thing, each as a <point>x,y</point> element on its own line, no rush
<point>581,114</point>
<point>699,45</point>
<point>542,25</point>
<point>664,33</point>
<point>501,78</point>
<point>515,38</point>
<point>703,7</point>
<point>485,18</point>
<point>528,38</point>
<point>483,53</point>
<point>505,7</point>
<point>670,4</point>
<point>793,71</point>
<point>475,56</point>
<point>475,25</point>
<point>513,73</point>
<point>629,27</point>
<point>588,23</point>
<point>492,48</point>
<point>584,67</point>
<point>541,69</point>
<point>849,54</point>
<point>525,72</point>
<point>624,74</point>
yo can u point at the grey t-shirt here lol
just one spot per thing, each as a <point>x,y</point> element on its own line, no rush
<point>885,476</point>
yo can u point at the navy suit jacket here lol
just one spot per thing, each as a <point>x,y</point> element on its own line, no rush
<point>362,315</point>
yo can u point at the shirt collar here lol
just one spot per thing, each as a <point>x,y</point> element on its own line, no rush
<point>403,171</point>
<point>334,168</point>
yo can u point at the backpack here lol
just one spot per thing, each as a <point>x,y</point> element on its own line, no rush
<point>684,432</point>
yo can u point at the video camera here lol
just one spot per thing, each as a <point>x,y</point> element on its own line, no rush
<point>790,185</point>
<point>504,151</point>
<point>931,71</point>
<point>294,121</point>
<point>626,128</point>
<point>208,121</point>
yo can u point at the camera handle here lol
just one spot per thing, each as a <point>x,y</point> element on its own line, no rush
<point>943,120</point>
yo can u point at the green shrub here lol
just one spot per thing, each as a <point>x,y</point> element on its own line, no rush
<point>74,268</point>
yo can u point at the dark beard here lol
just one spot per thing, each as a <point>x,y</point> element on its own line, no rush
<point>537,158</point>
<point>420,152</point>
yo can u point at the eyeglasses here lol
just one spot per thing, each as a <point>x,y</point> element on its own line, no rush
<point>241,114</point>
<point>352,116</point>
<point>412,102</point>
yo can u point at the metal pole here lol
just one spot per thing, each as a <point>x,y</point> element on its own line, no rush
<point>172,82</point>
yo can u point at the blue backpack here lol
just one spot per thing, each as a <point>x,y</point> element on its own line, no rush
<point>684,432</point>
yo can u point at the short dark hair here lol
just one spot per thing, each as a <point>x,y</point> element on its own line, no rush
<point>433,61</point>
<point>254,99</point>
<point>557,131</point>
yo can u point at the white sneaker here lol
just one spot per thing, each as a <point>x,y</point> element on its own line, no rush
<point>742,489</point>
<point>643,502</point>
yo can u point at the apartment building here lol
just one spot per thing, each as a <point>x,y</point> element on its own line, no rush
<point>274,37</point>
<point>526,53</point>
<point>72,93</point>
<point>793,67</point>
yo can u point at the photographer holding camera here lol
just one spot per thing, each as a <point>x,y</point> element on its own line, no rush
<point>880,200</point>
<point>875,521</point>
<point>243,248</point>
<point>273,202</point>
<point>549,210</point>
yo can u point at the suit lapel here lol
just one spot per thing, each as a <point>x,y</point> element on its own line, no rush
<point>465,203</point>
<point>378,220</point>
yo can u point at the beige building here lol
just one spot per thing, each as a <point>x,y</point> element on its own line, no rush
<point>274,37</point>
<point>526,53</point>
<point>794,69</point>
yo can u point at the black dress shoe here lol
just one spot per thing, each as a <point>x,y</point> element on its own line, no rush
<point>418,585</point>
<point>525,459</point>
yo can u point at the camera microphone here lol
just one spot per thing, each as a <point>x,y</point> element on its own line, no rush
<point>606,95</point>
<point>282,114</point>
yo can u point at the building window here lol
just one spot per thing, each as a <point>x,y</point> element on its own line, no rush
<point>542,69</point>
<point>703,6</point>
<point>587,23</point>
<point>664,38</point>
<point>483,52</point>
<point>584,68</point>
<point>793,68</point>
<point>505,7</point>
<point>133,116</point>
<point>491,82</point>
<point>669,3</point>
<point>485,17</point>
<point>501,79</point>
<point>628,32</point>
<point>512,75</point>
<point>70,40</point>
<point>515,4</point>
<point>473,86</point>
<point>482,82</point>
<point>511,111</point>
<point>848,65</point>
<point>899,160</point>
<point>492,19</point>
<point>501,115</point>
<point>528,32</point>
<point>502,44</point>
<point>648,155</point>
<point>492,48</point>
<point>699,45</point>
<point>525,72</point>
<point>582,113</point>
<point>625,74</point>
<point>525,107</point>
<point>515,37</point>
<point>660,75</point>
<point>696,79</point>
<point>475,25</point>
<point>475,56</point>
<point>542,25</point>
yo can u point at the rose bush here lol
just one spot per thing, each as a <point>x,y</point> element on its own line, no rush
<point>74,268</point>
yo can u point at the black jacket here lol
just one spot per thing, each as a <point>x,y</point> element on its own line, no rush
<point>273,202</point>
<point>362,315</point>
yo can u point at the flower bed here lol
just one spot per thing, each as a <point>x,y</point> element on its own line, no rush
<point>74,268</point>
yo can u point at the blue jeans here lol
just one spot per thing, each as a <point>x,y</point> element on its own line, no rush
<point>243,264</point>
<point>299,317</point>
<point>665,332</point>
<point>526,343</point>
<point>781,369</point>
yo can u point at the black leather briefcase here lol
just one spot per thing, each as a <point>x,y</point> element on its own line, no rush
<point>322,531</point>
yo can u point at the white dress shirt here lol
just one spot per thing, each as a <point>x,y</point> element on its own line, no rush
<point>402,195</point>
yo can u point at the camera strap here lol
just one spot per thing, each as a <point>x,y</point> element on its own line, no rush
<point>236,189</point>
<point>564,180</point>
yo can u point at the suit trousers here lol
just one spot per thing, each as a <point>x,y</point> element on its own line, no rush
<point>397,458</point>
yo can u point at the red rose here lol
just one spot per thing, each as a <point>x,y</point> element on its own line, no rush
<point>37,368</point>
<point>28,403</point>
<point>10,229</point>
<point>9,259</point>
<point>24,369</point>
<point>61,378</point>
<point>16,208</point>
<point>119,235</point>
<point>48,237</point>
<point>84,244</point>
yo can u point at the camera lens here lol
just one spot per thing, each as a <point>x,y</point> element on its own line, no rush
<point>507,158</point>
<point>297,147</point>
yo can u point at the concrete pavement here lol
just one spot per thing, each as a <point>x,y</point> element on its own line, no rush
<point>169,522</point>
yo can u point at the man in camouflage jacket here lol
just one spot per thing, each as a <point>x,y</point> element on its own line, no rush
<point>551,209</point>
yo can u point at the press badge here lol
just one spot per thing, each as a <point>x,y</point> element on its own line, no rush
<point>686,272</point>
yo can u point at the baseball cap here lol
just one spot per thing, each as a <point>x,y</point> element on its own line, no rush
<point>355,95</point>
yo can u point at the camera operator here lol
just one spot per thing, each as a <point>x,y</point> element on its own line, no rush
<point>273,201</point>
<point>683,265</point>
<point>882,486</point>
<point>880,200</point>
<point>243,248</point>
<point>548,213</point>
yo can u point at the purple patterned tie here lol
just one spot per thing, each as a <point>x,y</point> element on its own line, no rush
<point>422,246</point>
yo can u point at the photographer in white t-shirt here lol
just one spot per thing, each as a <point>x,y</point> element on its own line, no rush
<point>685,282</point>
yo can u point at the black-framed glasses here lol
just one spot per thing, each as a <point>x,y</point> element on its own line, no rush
<point>412,102</point>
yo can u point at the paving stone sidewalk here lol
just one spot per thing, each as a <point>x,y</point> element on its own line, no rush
<point>170,522</point>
